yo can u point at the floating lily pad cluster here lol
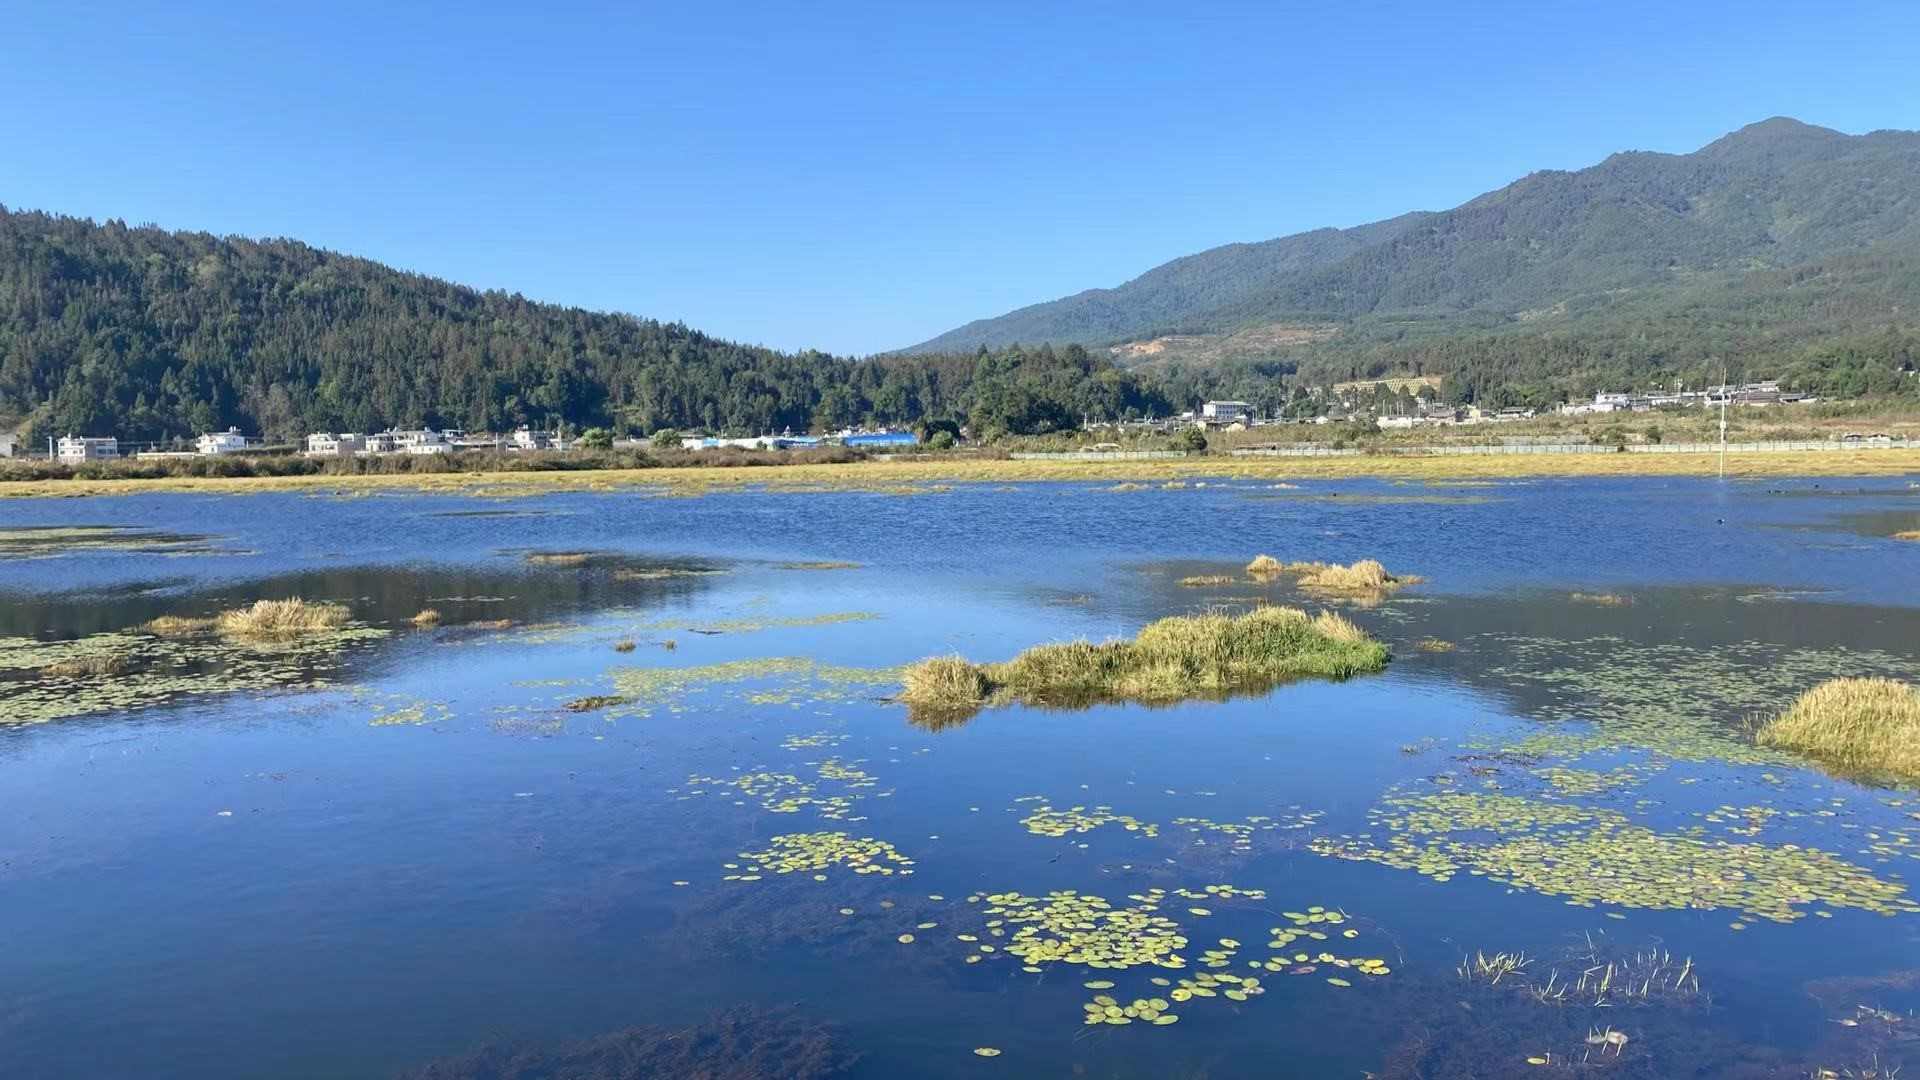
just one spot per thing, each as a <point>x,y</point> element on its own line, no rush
<point>815,852</point>
<point>1044,820</point>
<point>814,741</point>
<point>1047,820</point>
<point>1680,701</point>
<point>1590,782</point>
<point>1067,926</point>
<point>777,793</point>
<point>1240,834</point>
<point>1594,857</point>
<point>42,681</point>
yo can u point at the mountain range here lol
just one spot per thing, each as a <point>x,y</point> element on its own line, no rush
<point>1775,234</point>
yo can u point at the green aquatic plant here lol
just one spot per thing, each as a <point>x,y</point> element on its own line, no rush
<point>1435,645</point>
<point>280,620</point>
<point>1172,659</point>
<point>1593,857</point>
<point>648,688</point>
<point>1861,725</point>
<point>815,852</point>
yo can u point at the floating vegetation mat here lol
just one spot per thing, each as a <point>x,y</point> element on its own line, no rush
<point>748,626</point>
<point>797,680</point>
<point>787,793</point>
<point>1682,702</point>
<point>50,541</point>
<point>55,680</point>
<point>1045,820</point>
<point>1594,856</point>
<point>815,852</point>
<point>1170,660</point>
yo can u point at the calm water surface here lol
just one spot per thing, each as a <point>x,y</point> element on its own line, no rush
<point>402,852</point>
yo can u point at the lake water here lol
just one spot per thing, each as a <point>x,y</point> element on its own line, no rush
<point>427,851</point>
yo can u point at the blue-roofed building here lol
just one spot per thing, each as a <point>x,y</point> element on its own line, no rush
<point>882,439</point>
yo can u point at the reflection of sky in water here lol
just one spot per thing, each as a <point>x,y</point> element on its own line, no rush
<point>485,865</point>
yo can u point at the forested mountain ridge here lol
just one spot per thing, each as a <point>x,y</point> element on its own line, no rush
<point>150,334</point>
<point>1552,252</point>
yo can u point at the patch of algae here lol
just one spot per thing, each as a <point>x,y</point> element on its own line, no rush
<point>1595,856</point>
<point>41,681</point>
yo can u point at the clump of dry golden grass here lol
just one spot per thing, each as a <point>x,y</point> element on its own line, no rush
<point>281,620</point>
<point>176,626</point>
<point>1172,659</point>
<point>1367,576</point>
<point>1434,645</point>
<point>1907,534</point>
<point>624,645</point>
<point>1201,581</point>
<point>1861,725</point>
<point>426,617</point>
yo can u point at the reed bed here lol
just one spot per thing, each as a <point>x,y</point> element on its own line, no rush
<point>281,620</point>
<point>1858,725</point>
<point>1363,577</point>
<point>426,617</point>
<point>171,626</point>
<point>1170,660</point>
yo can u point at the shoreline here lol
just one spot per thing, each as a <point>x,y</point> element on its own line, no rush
<point>923,476</point>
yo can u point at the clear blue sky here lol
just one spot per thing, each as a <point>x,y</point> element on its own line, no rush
<point>859,177</point>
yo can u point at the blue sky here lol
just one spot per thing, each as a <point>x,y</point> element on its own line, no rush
<point>860,177</point>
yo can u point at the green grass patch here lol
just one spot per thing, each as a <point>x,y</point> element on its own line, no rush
<point>1859,725</point>
<point>1174,659</point>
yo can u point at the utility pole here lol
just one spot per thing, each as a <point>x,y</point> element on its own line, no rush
<point>1724,392</point>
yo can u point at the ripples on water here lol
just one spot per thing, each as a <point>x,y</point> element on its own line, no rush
<point>574,827</point>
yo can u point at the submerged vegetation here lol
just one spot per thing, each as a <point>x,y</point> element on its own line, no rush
<point>1861,725</point>
<point>1179,657</point>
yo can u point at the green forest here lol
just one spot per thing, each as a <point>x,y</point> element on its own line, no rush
<point>154,335</point>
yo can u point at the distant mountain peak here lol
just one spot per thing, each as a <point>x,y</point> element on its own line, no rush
<point>1769,195</point>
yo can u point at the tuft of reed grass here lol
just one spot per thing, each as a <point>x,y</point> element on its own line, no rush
<point>280,620</point>
<point>1863,725</point>
<point>1201,581</point>
<point>1170,660</point>
<point>624,645</point>
<point>167,626</point>
<point>1434,645</point>
<point>426,617</point>
<point>1907,534</point>
<point>1365,577</point>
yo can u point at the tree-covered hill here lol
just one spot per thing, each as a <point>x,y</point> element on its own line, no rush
<point>150,335</point>
<point>1771,240</point>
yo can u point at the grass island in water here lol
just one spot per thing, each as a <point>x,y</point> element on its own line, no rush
<point>1175,658</point>
<point>1860,725</point>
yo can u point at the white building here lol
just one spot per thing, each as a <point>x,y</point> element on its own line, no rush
<point>327,444</point>
<point>1226,412</point>
<point>427,441</point>
<point>221,442</point>
<point>381,442</point>
<point>74,449</point>
<point>529,439</point>
<point>7,443</point>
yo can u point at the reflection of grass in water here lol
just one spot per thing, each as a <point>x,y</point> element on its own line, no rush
<point>1170,660</point>
<point>1857,725</point>
<point>42,541</point>
<point>1673,699</point>
<point>1593,856</point>
<point>738,1044</point>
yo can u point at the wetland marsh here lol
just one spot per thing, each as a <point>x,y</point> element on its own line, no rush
<point>642,797</point>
